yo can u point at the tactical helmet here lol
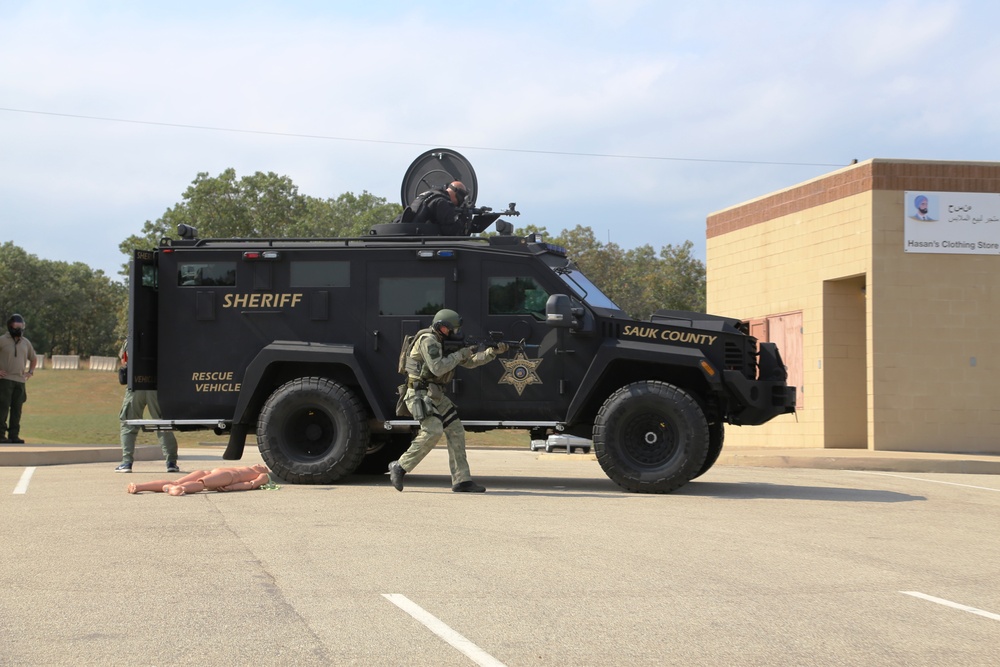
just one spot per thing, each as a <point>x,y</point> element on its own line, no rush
<point>461,192</point>
<point>448,318</point>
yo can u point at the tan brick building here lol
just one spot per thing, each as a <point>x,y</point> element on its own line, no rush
<point>893,346</point>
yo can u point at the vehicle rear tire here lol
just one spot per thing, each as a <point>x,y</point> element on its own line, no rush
<point>651,437</point>
<point>716,434</point>
<point>312,431</point>
<point>382,449</point>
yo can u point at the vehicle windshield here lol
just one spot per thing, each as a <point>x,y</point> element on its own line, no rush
<point>583,288</point>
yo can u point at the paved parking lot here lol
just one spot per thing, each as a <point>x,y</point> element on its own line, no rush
<point>553,566</point>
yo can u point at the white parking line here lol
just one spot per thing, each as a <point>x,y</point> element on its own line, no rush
<point>953,605</point>
<point>473,652</point>
<point>22,485</point>
<point>922,479</point>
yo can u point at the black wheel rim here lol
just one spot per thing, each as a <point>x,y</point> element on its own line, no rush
<point>648,440</point>
<point>309,433</point>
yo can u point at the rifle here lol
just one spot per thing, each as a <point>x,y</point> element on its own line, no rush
<point>450,345</point>
<point>477,218</point>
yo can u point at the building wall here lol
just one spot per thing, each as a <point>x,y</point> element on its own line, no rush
<point>898,348</point>
<point>779,265</point>
<point>936,344</point>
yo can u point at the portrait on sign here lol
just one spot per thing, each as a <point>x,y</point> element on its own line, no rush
<point>924,208</point>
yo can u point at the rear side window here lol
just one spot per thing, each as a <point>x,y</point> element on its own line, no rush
<point>320,274</point>
<point>207,274</point>
<point>410,296</point>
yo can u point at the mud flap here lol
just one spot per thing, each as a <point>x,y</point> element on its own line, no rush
<point>237,442</point>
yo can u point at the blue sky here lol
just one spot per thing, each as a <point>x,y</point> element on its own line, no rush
<point>635,118</point>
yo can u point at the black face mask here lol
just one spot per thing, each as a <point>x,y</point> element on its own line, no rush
<point>16,333</point>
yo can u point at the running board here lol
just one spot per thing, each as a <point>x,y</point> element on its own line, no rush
<point>407,423</point>
<point>169,424</point>
<point>223,425</point>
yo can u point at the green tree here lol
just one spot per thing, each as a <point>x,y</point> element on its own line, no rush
<point>261,206</point>
<point>349,215</point>
<point>682,286</point>
<point>70,308</point>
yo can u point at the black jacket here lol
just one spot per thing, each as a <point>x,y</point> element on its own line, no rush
<point>435,206</point>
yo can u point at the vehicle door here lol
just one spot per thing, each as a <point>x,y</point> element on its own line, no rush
<point>404,293</point>
<point>142,320</point>
<point>529,381</point>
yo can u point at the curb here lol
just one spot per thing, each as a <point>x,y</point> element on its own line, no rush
<point>51,455</point>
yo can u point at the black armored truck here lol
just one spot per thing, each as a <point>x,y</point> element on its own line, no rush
<point>298,340</point>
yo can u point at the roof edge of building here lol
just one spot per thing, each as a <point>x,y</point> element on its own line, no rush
<point>853,179</point>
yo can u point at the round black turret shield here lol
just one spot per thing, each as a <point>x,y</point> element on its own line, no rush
<point>437,168</point>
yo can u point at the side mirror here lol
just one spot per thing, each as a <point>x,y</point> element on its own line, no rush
<point>559,312</point>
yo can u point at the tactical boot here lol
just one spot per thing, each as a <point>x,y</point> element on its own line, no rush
<point>468,487</point>
<point>396,474</point>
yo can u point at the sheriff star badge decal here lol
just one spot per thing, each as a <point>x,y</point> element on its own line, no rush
<point>520,372</point>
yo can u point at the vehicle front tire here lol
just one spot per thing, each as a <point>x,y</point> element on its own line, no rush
<point>312,431</point>
<point>651,437</point>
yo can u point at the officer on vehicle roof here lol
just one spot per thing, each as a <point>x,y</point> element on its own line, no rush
<point>440,206</point>
<point>428,369</point>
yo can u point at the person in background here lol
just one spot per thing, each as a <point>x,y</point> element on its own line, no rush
<point>16,355</point>
<point>134,404</point>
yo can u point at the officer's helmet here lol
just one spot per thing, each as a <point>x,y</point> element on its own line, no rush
<point>448,318</point>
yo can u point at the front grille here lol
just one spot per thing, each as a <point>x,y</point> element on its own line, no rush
<point>738,358</point>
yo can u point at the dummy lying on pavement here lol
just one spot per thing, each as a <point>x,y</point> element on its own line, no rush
<point>219,479</point>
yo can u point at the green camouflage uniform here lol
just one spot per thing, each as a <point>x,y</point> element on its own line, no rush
<point>428,366</point>
<point>132,407</point>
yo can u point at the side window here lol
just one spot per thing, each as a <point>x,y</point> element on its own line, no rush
<point>510,295</point>
<point>149,276</point>
<point>320,274</point>
<point>410,296</point>
<point>207,274</point>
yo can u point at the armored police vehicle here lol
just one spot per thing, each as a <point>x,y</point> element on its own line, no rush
<point>298,340</point>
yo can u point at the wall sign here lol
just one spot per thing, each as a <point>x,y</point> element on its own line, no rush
<point>956,223</point>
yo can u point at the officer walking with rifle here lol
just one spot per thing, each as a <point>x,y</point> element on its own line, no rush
<point>428,369</point>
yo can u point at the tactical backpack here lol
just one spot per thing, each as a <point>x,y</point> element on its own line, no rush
<point>406,365</point>
<point>404,354</point>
